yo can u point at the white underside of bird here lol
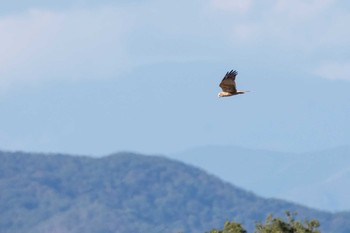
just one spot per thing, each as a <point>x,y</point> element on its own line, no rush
<point>226,94</point>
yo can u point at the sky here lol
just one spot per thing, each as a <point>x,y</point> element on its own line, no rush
<point>98,77</point>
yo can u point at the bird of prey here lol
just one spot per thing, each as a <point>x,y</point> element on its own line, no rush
<point>228,85</point>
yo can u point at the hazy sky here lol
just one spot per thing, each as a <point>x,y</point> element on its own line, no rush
<point>94,78</point>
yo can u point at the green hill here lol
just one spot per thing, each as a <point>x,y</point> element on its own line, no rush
<point>128,193</point>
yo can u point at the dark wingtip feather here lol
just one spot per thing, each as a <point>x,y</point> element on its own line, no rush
<point>232,72</point>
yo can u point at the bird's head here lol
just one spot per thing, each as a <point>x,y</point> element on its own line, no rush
<point>219,94</point>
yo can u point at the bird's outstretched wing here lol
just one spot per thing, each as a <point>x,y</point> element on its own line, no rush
<point>228,83</point>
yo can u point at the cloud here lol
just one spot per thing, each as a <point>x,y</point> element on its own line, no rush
<point>287,25</point>
<point>20,35</point>
<point>241,6</point>
<point>300,9</point>
<point>334,70</point>
<point>245,33</point>
<point>102,41</point>
<point>42,45</point>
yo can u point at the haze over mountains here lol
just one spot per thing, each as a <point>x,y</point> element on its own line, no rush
<point>125,193</point>
<point>87,77</point>
<point>317,179</point>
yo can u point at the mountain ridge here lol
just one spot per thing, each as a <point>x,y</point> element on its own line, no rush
<point>288,173</point>
<point>125,192</point>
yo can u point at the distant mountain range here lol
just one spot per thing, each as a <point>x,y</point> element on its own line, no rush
<point>319,179</point>
<point>129,193</point>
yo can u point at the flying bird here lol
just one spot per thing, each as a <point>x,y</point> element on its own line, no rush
<point>228,85</point>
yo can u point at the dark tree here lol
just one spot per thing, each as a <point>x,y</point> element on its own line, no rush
<point>277,225</point>
<point>230,227</point>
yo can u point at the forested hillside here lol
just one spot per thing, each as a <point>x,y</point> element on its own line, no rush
<point>129,193</point>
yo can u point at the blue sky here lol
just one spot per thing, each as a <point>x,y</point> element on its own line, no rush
<point>93,78</point>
